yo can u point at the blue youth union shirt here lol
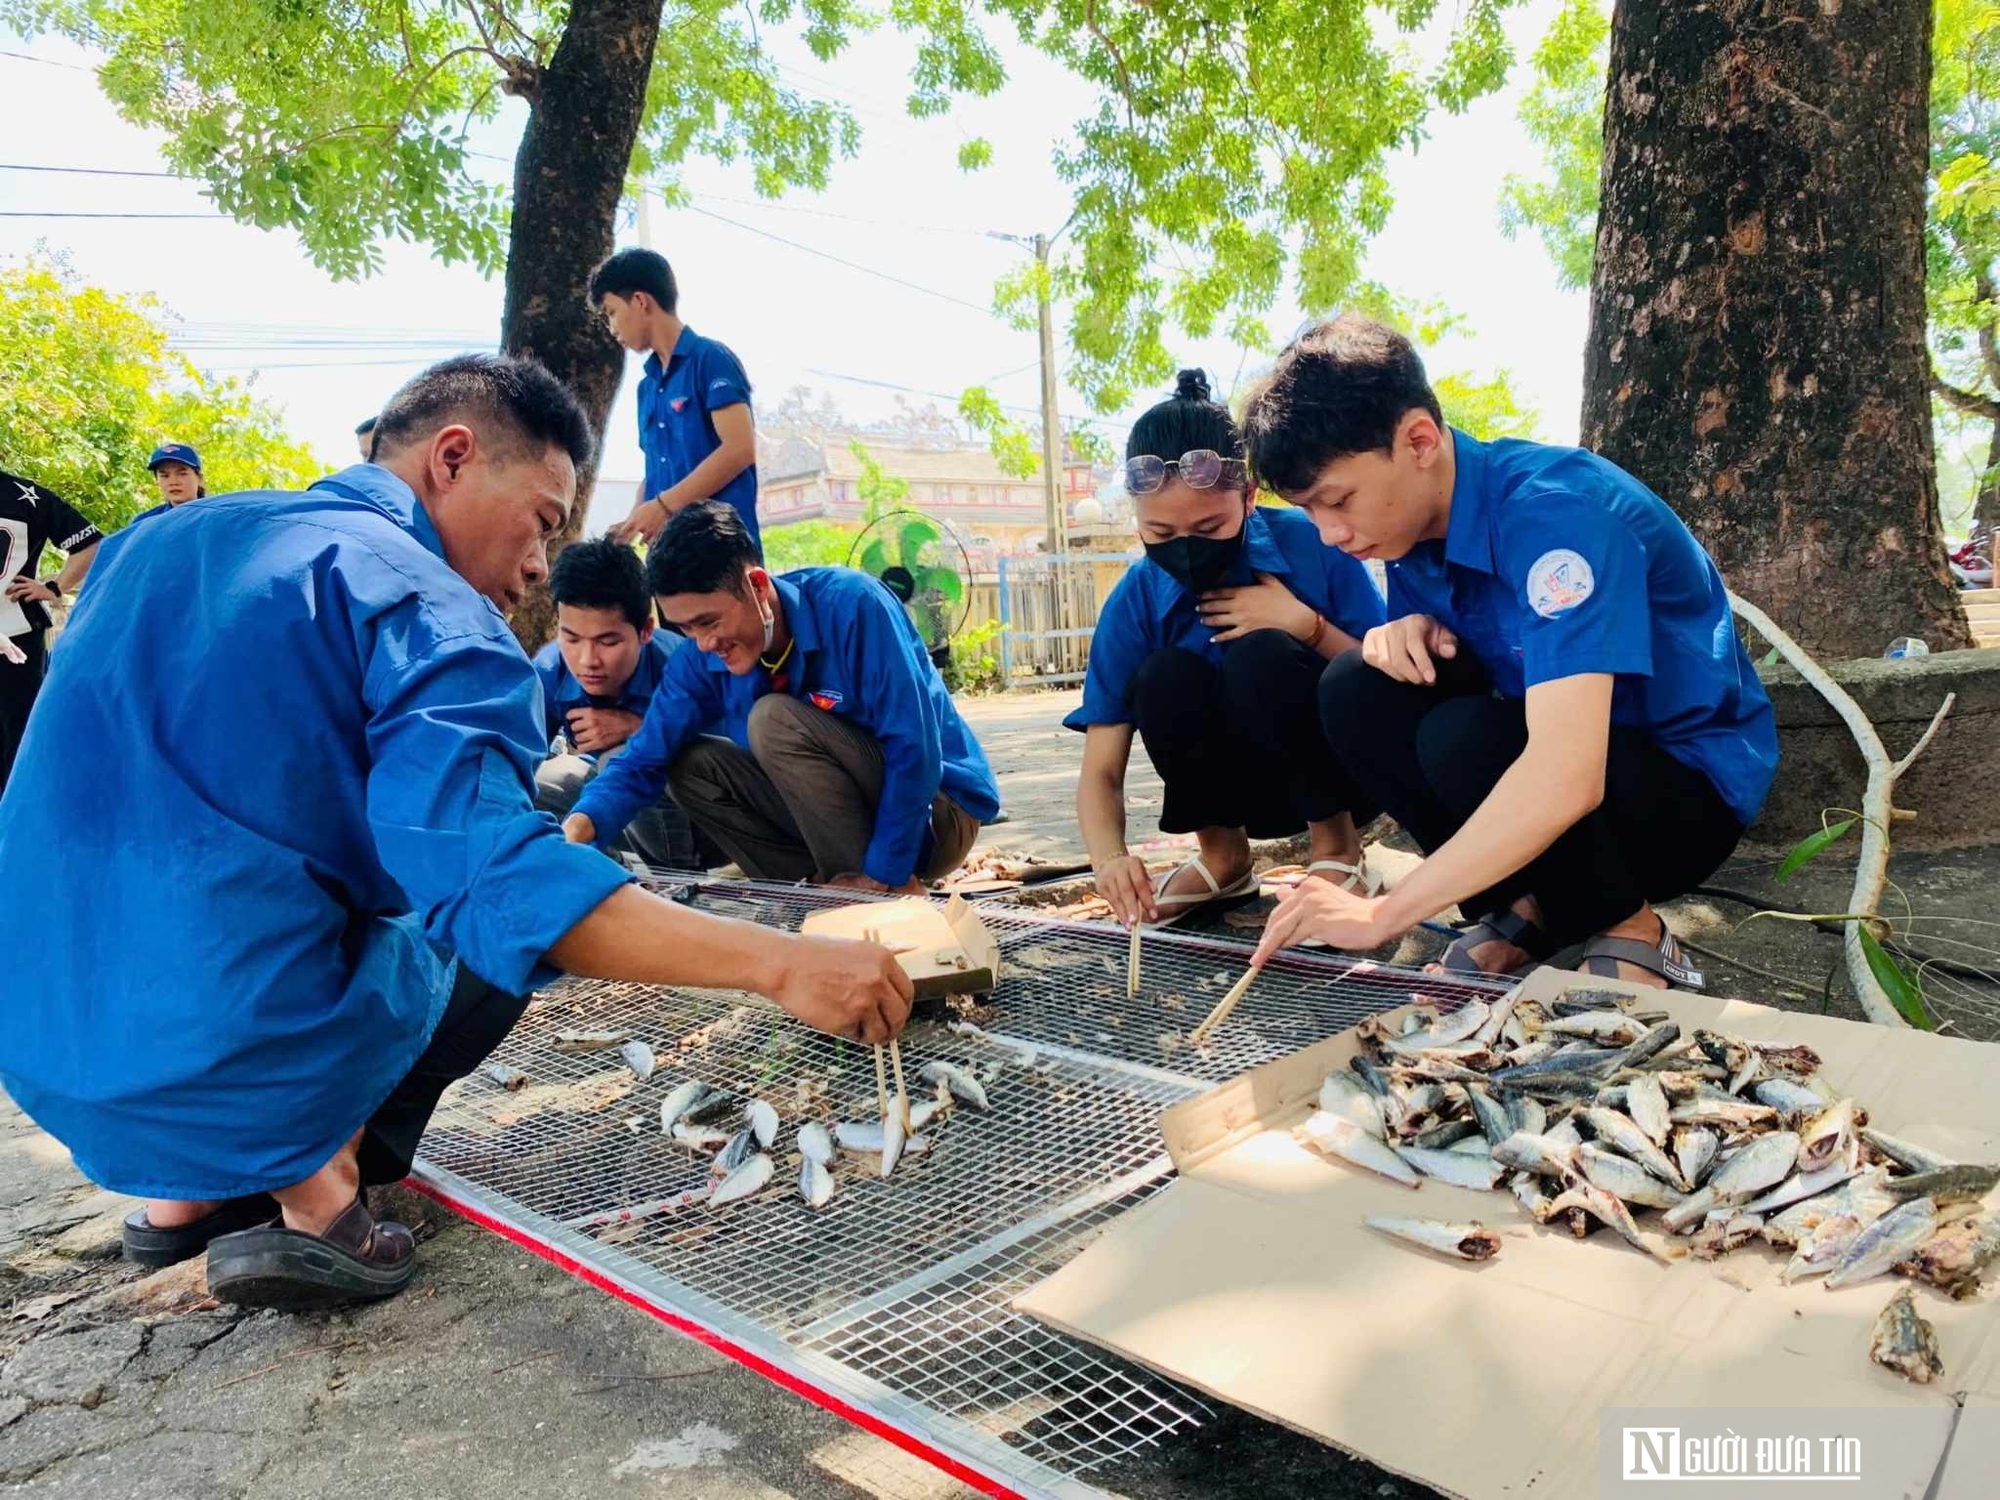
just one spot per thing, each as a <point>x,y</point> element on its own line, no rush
<point>1149,610</point>
<point>1557,563</point>
<point>561,692</point>
<point>677,403</point>
<point>855,654</point>
<point>258,844</point>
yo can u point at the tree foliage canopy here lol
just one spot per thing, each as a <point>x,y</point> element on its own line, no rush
<point>88,388</point>
<point>1563,113</point>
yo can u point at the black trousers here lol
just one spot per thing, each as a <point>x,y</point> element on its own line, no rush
<point>476,1019</point>
<point>1432,754</point>
<point>19,683</point>
<point>1239,745</point>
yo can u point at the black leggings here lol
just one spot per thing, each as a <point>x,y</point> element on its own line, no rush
<point>1431,755</point>
<point>1239,745</point>
<point>476,1020</point>
<point>19,683</point>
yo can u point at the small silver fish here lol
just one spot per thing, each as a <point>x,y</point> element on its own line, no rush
<point>1625,1179</point>
<point>1821,1248</point>
<point>1905,1154</point>
<point>1860,1196</point>
<point>683,1098</point>
<point>1619,1132</point>
<point>961,1083</point>
<point>1461,1025</point>
<point>1789,1098</point>
<point>1344,1140</point>
<point>1723,1231</point>
<point>1495,1122</point>
<point>1346,1096</point>
<point>639,1058</point>
<point>699,1137</point>
<point>1646,1103</point>
<point>1542,1154</point>
<point>814,1143</point>
<point>1609,1211</point>
<point>1564,1132</point>
<point>1471,1241</point>
<point>738,1149</point>
<point>1801,1186</point>
<point>508,1078</point>
<point>867,1138</point>
<point>1964,1183</point>
<point>1756,1168</point>
<point>1525,1114</point>
<point>1694,1152</point>
<point>815,1183</point>
<point>1954,1257</point>
<point>750,1178</point>
<point>1684,1217</point>
<point>1904,1342</point>
<point>1828,1137</point>
<point>1454,1167</point>
<point>1528,1193</point>
<point>762,1120</point>
<point>1599,1026</point>
<point>1895,1236</point>
<point>894,1138</point>
<point>1498,1014</point>
<point>588,1041</point>
<point>1474,1144</point>
<point>1736,1113</point>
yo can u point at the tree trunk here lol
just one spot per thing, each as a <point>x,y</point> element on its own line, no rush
<point>1986,505</point>
<point>1756,349</point>
<point>569,176</point>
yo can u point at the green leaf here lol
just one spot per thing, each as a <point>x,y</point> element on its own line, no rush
<point>912,539</point>
<point>1813,845</point>
<point>1903,991</point>
<point>1769,658</point>
<point>875,557</point>
<point>975,154</point>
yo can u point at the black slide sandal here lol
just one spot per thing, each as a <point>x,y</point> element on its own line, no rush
<point>358,1259</point>
<point>146,1244</point>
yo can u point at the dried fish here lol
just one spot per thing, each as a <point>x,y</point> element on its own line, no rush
<point>1828,1137</point>
<point>681,1101</point>
<point>1791,1099</point>
<point>894,1138</point>
<point>1461,1025</point>
<point>1625,1179</point>
<point>961,1083</point>
<point>762,1120</point>
<point>814,1143</point>
<point>1821,1248</point>
<point>1904,1342</point>
<point>1331,1136</point>
<point>1525,1114</point>
<point>1964,1183</point>
<point>1694,1152</point>
<point>1619,1132</point>
<point>1590,1062</point>
<point>1346,1096</point>
<point>639,1058</point>
<point>1498,1014</point>
<point>738,1149</point>
<point>1527,1191</point>
<point>1377,1081</point>
<point>1446,1134</point>
<point>1801,1186</point>
<point>1495,1121</point>
<point>508,1078</point>
<point>1724,1231</point>
<point>1654,1043</point>
<point>869,1137</point>
<point>1737,1114</point>
<point>699,1137</point>
<point>1860,1196</point>
<point>1905,1154</point>
<point>1954,1257</point>
<point>747,1180</point>
<point>1474,1144</point>
<point>588,1041</point>
<point>1471,1241</point>
<point>1646,1103</point>
<point>1895,1236</point>
<point>1757,1167</point>
<point>1598,1025</point>
<point>1537,1153</point>
<point>1609,1211</point>
<point>816,1182</point>
<point>1455,1167</point>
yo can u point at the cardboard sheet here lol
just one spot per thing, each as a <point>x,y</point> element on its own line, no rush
<point>950,952</point>
<point>1254,1279</point>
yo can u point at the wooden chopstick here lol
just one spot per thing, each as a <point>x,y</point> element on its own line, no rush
<point>902,1093</point>
<point>1221,1012</point>
<point>874,935</point>
<point>1132,964</point>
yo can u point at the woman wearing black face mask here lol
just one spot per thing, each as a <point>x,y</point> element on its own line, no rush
<point>1211,648</point>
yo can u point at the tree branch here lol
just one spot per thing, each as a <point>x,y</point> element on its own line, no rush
<point>1966,401</point>
<point>1125,90</point>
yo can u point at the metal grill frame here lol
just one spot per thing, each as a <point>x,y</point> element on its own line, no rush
<point>922,1347</point>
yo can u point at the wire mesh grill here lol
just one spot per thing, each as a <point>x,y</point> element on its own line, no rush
<point>905,1282</point>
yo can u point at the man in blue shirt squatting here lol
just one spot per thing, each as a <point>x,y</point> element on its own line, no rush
<point>598,677</point>
<point>321,925</point>
<point>809,735</point>
<point>1212,646</point>
<point>695,426</point>
<point>1559,710</point>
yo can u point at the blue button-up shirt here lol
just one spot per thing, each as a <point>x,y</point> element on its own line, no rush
<point>855,654</point>
<point>677,403</point>
<point>561,692</point>
<point>1149,610</point>
<point>249,855</point>
<point>1557,563</point>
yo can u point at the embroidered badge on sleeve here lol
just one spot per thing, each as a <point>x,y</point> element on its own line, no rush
<point>1558,582</point>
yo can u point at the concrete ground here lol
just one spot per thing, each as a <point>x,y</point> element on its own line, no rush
<point>498,1376</point>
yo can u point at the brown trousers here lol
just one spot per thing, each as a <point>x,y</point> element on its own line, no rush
<point>800,803</point>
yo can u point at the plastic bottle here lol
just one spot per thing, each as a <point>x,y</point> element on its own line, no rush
<point>1905,646</point>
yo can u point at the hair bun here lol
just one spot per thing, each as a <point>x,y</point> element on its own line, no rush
<point>1192,385</point>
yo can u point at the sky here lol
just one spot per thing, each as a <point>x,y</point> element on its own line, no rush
<point>764,277</point>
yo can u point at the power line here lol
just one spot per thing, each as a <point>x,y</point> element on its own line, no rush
<point>21,166</point>
<point>29,213</point>
<point>47,61</point>
<point>837,260</point>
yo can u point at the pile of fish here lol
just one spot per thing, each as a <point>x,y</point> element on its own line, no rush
<point>1591,1116</point>
<point>742,1162</point>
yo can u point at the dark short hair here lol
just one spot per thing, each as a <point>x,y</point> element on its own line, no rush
<point>636,270</point>
<point>365,426</point>
<point>704,550</point>
<point>512,403</point>
<point>1187,420</point>
<point>1338,389</point>
<point>602,574</point>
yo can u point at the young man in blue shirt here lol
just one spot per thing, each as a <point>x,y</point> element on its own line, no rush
<point>320,925</point>
<point>808,734</point>
<point>695,424</point>
<point>598,677</point>
<point>1559,710</point>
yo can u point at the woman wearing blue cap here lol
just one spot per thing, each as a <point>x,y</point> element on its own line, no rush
<point>177,470</point>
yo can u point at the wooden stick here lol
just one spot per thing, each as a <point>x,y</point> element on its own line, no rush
<point>1132,964</point>
<point>902,1093</point>
<point>1221,1012</point>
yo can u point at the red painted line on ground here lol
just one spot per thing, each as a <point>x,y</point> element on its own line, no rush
<point>798,1385</point>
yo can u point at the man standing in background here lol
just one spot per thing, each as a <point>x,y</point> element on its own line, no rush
<point>30,518</point>
<point>364,439</point>
<point>695,423</point>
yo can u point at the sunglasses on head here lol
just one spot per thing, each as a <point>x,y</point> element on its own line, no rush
<point>1199,469</point>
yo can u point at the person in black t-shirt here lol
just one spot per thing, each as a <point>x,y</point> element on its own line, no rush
<point>30,519</point>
